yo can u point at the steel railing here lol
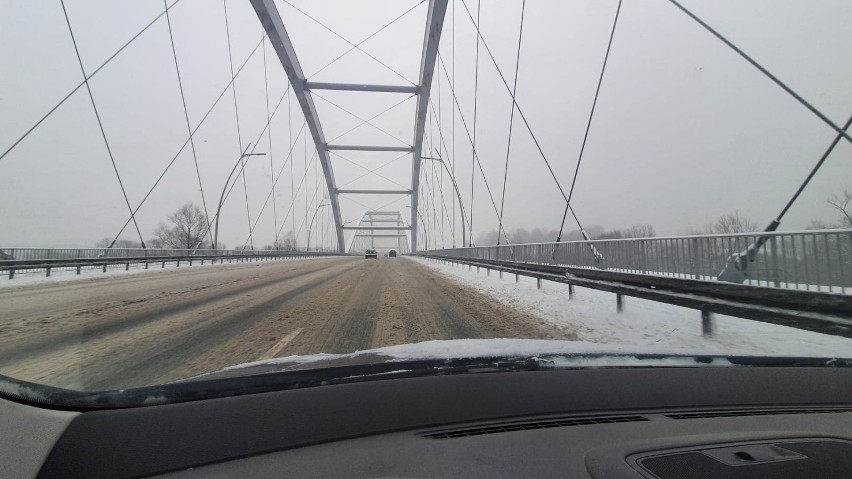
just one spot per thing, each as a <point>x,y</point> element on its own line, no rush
<point>20,260</point>
<point>806,260</point>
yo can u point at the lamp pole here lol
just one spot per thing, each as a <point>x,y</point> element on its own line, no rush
<point>311,225</point>
<point>455,187</point>
<point>222,196</point>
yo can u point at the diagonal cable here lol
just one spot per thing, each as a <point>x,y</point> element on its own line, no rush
<point>840,131</point>
<point>347,41</point>
<point>186,142</point>
<point>353,47</point>
<point>375,169</point>
<point>367,121</point>
<point>511,119</point>
<point>366,169</point>
<point>186,116</point>
<point>101,126</point>
<point>86,79</point>
<point>237,115</point>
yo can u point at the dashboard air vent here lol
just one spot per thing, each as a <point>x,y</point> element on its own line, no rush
<point>754,412</point>
<point>533,424</point>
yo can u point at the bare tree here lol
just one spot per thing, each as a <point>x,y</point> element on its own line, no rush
<point>188,229</point>
<point>843,204</point>
<point>119,243</point>
<point>287,242</point>
<point>731,223</point>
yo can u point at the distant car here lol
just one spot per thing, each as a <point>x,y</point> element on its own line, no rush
<point>371,253</point>
<point>392,253</point>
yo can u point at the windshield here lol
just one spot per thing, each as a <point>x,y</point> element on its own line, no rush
<point>197,190</point>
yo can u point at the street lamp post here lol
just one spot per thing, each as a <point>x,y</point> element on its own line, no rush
<point>425,233</point>
<point>311,225</point>
<point>456,187</point>
<point>222,196</point>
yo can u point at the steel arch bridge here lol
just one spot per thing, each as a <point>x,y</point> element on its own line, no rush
<point>270,18</point>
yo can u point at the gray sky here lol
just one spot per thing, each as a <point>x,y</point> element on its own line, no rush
<point>685,130</point>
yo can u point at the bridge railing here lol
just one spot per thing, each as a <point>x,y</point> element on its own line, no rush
<point>35,254</point>
<point>807,260</point>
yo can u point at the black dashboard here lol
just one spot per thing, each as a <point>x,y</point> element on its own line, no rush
<point>599,422</point>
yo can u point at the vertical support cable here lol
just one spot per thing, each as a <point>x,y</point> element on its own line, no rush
<point>475,95</point>
<point>237,115</point>
<point>188,127</point>
<point>269,137</point>
<point>101,126</point>
<point>511,121</point>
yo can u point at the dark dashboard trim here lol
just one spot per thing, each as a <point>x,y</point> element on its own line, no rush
<point>156,439</point>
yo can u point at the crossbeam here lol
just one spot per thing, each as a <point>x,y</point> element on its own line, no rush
<point>374,192</point>
<point>413,89</point>
<point>408,149</point>
<point>377,228</point>
<point>383,235</point>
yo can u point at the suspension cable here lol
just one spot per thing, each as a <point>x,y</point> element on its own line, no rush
<point>807,180</point>
<point>515,102</point>
<point>835,127</point>
<point>269,138</point>
<point>511,120</point>
<point>475,155</point>
<point>475,94</point>
<point>349,42</point>
<point>353,47</point>
<point>237,116</point>
<point>367,121</point>
<point>186,142</point>
<point>186,117</point>
<point>101,126</point>
<point>87,78</point>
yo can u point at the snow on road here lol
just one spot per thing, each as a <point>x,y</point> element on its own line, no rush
<point>646,326</point>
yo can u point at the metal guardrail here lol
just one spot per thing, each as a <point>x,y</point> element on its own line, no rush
<point>809,310</point>
<point>804,260</point>
<point>17,260</point>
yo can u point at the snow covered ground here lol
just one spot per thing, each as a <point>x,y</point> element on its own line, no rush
<point>644,326</point>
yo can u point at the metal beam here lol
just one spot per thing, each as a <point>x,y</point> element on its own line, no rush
<point>374,192</point>
<point>383,220</point>
<point>311,85</point>
<point>369,148</point>
<point>383,235</point>
<point>377,228</point>
<point>431,40</point>
<point>385,213</point>
<point>270,19</point>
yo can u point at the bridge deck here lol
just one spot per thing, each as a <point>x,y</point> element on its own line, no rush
<point>163,325</point>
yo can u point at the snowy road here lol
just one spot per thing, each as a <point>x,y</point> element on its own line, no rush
<point>156,326</point>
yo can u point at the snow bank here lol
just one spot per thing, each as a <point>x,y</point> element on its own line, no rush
<point>644,326</point>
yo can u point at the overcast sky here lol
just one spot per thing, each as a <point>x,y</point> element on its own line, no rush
<point>685,130</point>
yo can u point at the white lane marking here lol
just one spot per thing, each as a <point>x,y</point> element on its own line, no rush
<point>279,345</point>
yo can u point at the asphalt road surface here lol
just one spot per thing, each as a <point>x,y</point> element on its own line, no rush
<point>158,326</point>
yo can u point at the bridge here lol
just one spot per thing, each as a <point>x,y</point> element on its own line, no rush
<point>325,155</point>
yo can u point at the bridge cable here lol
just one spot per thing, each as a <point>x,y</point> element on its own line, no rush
<point>840,131</point>
<point>186,117</point>
<point>276,177</point>
<point>453,126</point>
<point>269,138</point>
<point>237,116</point>
<point>82,83</point>
<point>353,47</point>
<point>807,180</point>
<point>349,42</point>
<point>514,100</point>
<point>511,120</point>
<point>367,121</point>
<point>375,169</point>
<point>292,175</point>
<point>475,93</point>
<point>589,123</point>
<point>452,171</point>
<point>254,147</point>
<point>475,155</point>
<point>186,142</point>
<point>101,127</point>
<point>338,155</point>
